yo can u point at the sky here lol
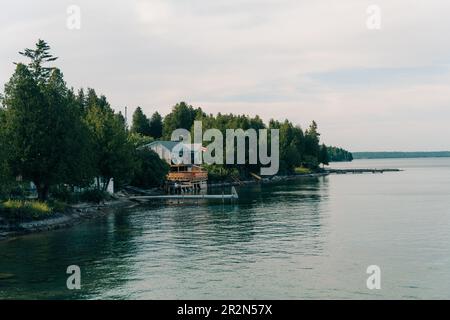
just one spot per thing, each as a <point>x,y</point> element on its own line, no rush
<point>369,89</point>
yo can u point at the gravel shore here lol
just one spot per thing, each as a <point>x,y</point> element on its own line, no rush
<point>73,215</point>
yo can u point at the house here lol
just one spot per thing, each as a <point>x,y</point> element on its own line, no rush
<point>186,153</point>
<point>181,158</point>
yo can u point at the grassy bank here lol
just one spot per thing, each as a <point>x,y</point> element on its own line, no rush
<point>29,210</point>
<point>26,210</point>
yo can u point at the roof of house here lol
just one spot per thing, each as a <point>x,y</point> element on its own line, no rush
<point>171,144</point>
<point>166,144</point>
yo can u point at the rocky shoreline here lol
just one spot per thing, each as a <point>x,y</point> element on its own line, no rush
<point>73,215</point>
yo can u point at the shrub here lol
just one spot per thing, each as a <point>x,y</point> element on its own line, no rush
<point>302,170</point>
<point>94,195</point>
<point>17,210</point>
<point>62,193</point>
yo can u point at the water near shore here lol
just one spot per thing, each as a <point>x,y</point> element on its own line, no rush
<point>311,238</point>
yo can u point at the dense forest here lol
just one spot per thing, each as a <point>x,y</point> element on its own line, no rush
<point>62,139</point>
<point>339,154</point>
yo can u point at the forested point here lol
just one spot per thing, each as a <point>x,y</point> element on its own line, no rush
<point>339,154</point>
<point>63,139</point>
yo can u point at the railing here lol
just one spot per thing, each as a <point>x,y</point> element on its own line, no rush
<point>188,176</point>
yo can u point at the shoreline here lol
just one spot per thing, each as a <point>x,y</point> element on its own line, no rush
<point>81,212</point>
<point>273,179</point>
<point>78,213</point>
<point>74,215</point>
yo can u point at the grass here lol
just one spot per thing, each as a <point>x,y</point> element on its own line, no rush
<point>29,210</point>
<point>302,170</point>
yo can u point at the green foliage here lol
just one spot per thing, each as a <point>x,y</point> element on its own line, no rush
<point>140,123</point>
<point>139,140</point>
<point>61,139</point>
<point>45,136</point>
<point>18,210</point>
<point>181,117</point>
<point>156,126</point>
<point>302,170</point>
<point>113,156</point>
<point>150,170</point>
<point>324,157</point>
<point>64,194</point>
<point>312,146</point>
<point>6,180</point>
<point>338,154</point>
<point>93,196</point>
<point>297,148</point>
<point>219,173</point>
<point>39,56</point>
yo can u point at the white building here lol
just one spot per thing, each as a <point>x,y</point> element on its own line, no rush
<point>165,149</point>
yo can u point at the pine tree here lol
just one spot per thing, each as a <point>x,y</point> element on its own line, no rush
<point>156,126</point>
<point>140,123</point>
<point>39,56</point>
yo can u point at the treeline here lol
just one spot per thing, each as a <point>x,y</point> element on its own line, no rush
<point>58,138</point>
<point>62,139</point>
<point>298,148</point>
<point>338,154</point>
<point>399,154</point>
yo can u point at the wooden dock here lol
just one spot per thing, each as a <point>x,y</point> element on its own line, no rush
<point>181,197</point>
<point>360,171</point>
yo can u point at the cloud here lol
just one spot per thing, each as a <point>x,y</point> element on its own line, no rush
<point>302,60</point>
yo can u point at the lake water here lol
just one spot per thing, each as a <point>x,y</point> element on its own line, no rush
<point>309,239</point>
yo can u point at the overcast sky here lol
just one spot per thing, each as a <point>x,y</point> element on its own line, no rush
<point>386,89</point>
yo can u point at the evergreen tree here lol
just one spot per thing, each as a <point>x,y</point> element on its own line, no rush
<point>140,123</point>
<point>113,154</point>
<point>323,155</point>
<point>312,146</point>
<point>39,56</point>
<point>42,130</point>
<point>156,126</point>
<point>5,174</point>
<point>181,117</point>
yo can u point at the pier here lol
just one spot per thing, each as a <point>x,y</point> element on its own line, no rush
<point>359,171</point>
<point>181,197</point>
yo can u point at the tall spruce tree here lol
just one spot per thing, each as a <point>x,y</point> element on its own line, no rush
<point>156,126</point>
<point>41,127</point>
<point>140,123</point>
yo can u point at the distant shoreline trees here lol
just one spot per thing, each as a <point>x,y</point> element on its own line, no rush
<point>339,155</point>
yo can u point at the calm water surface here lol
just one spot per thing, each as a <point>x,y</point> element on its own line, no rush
<point>313,238</point>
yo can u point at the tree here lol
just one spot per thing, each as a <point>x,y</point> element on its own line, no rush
<point>150,170</point>
<point>312,147</point>
<point>39,56</point>
<point>323,155</point>
<point>339,154</point>
<point>113,154</point>
<point>140,123</point>
<point>5,174</point>
<point>156,126</point>
<point>41,129</point>
<point>181,117</point>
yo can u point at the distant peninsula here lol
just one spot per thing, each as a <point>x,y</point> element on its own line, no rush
<point>400,154</point>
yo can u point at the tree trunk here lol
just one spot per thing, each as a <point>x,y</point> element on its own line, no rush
<point>42,190</point>
<point>105,184</point>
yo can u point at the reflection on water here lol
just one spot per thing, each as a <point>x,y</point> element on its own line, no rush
<point>312,238</point>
